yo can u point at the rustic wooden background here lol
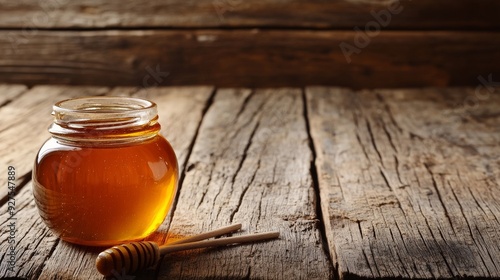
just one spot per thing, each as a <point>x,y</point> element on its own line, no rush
<point>248,43</point>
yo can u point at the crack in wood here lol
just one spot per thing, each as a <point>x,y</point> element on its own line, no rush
<point>461,210</point>
<point>358,138</point>
<point>359,228</point>
<point>403,265</point>
<point>240,201</point>
<point>341,188</point>
<point>214,202</point>
<point>479,205</point>
<point>441,252</point>
<point>257,114</point>
<point>245,151</point>
<point>208,185</point>
<point>406,248</point>
<point>487,251</point>
<point>385,179</point>
<point>429,267</point>
<point>315,182</point>
<point>384,127</point>
<point>389,111</point>
<point>396,167</point>
<point>368,262</point>
<point>362,146</point>
<point>259,215</point>
<point>249,273</point>
<point>392,250</point>
<point>472,235</point>
<point>438,193</point>
<point>372,138</point>
<point>244,104</point>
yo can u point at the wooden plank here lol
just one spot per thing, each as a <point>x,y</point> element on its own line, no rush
<point>250,164</point>
<point>409,180</point>
<point>423,14</point>
<point>24,126</point>
<point>180,112</point>
<point>249,58</point>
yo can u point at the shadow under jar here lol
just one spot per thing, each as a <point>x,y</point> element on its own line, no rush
<point>105,176</point>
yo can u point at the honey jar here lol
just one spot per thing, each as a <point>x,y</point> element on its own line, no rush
<point>106,176</point>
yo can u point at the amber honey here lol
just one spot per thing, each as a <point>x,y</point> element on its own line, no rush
<point>106,176</point>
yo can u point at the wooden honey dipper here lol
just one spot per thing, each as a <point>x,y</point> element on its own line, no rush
<point>134,256</point>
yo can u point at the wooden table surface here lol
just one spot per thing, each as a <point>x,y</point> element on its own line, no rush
<point>360,184</point>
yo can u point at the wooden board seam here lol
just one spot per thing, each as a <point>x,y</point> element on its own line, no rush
<point>331,255</point>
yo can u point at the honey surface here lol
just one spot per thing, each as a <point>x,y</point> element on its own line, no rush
<point>105,195</point>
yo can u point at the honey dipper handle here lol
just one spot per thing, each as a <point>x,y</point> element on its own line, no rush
<point>206,235</point>
<point>219,242</point>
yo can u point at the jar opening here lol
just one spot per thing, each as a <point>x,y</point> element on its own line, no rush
<point>104,119</point>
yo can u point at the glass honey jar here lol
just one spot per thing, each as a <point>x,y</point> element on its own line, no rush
<point>106,176</point>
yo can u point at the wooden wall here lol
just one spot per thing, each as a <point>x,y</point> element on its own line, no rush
<point>250,42</point>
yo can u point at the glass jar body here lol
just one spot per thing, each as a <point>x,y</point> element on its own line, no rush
<point>106,176</point>
<point>102,196</point>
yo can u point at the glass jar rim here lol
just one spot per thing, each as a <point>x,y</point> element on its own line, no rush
<point>104,118</point>
<point>82,105</point>
<point>109,109</point>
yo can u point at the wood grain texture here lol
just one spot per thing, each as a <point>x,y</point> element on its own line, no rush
<point>423,14</point>
<point>250,164</point>
<point>409,180</point>
<point>248,58</point>
<point>180,112</point>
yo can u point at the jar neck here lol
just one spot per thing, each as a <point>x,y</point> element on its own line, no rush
<point>104,120</point>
